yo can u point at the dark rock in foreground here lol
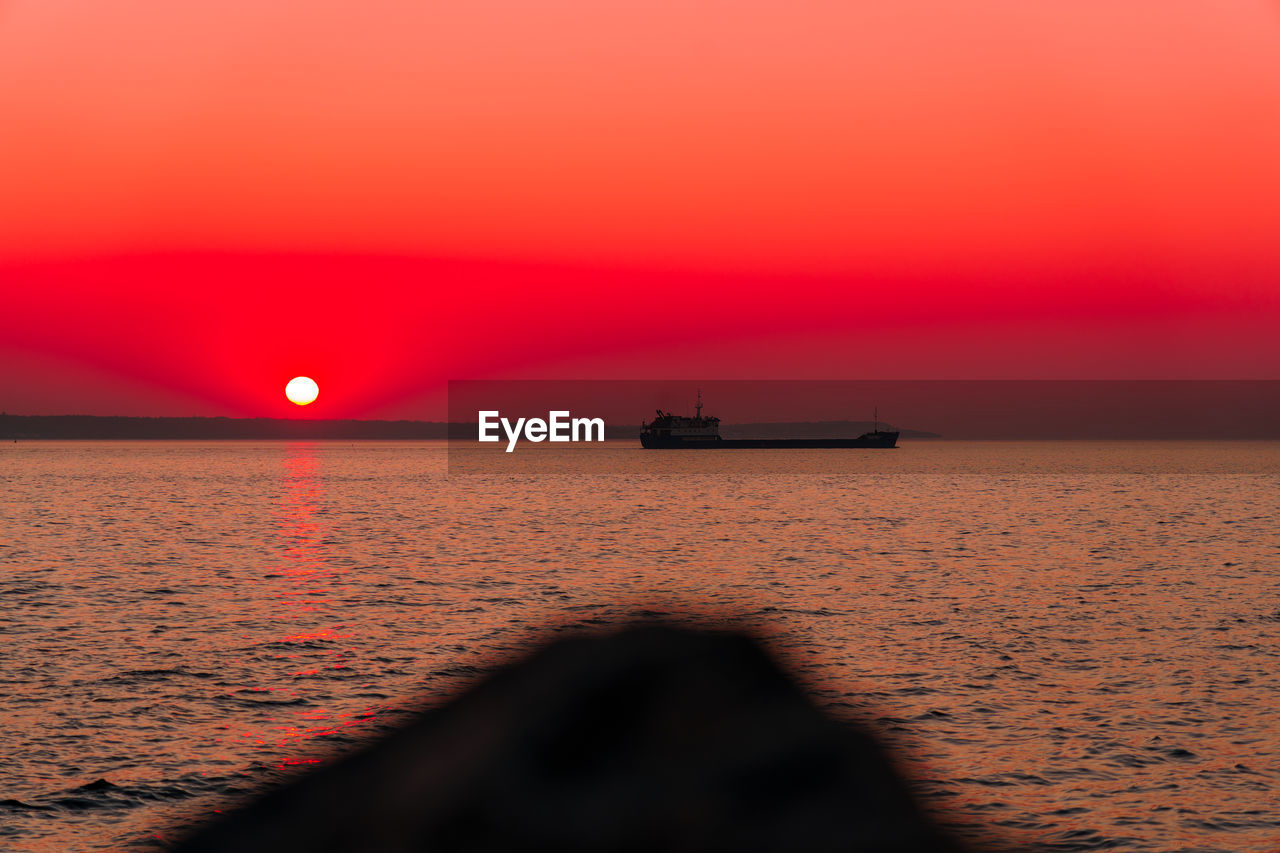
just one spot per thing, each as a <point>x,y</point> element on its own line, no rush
<point>651,739</point>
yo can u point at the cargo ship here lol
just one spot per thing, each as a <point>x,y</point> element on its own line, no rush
<point>671,432</point>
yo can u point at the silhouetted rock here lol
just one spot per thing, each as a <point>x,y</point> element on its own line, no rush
<point>654,738</point>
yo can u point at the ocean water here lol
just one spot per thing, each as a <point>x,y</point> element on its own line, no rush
<point>1070,646</point>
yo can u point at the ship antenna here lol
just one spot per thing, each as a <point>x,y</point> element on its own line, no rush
<point>877,417</point>
<point>699,406</point>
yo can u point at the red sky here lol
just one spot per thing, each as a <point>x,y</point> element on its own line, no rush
<point>201,199</point>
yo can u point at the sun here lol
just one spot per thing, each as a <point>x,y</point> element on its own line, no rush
<point>302,390</point>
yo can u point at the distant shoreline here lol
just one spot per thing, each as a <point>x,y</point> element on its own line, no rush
<point>126,428</point>
<point>112,427</point>
<point>123,428</point>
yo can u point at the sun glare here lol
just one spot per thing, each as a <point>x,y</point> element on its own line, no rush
<point>302,390</point>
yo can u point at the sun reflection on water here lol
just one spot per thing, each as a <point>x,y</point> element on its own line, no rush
<point>301,536</point>
<point>312,654</point>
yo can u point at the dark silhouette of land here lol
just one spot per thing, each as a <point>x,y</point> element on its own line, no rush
<point>64,427</point>
<point>93,427</point>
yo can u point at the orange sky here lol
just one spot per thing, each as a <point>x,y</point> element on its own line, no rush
<point>1085,150</point>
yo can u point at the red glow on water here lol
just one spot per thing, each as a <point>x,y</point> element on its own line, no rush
<point>326,634</point>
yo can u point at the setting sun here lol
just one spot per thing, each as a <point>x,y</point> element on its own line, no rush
<point>302,390</point>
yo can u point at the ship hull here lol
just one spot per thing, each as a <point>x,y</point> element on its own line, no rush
<point>882,440</point>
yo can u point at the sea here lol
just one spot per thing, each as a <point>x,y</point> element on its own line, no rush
<point>1066,646</point>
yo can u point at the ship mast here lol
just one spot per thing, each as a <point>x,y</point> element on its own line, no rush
<point>698,407</point>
